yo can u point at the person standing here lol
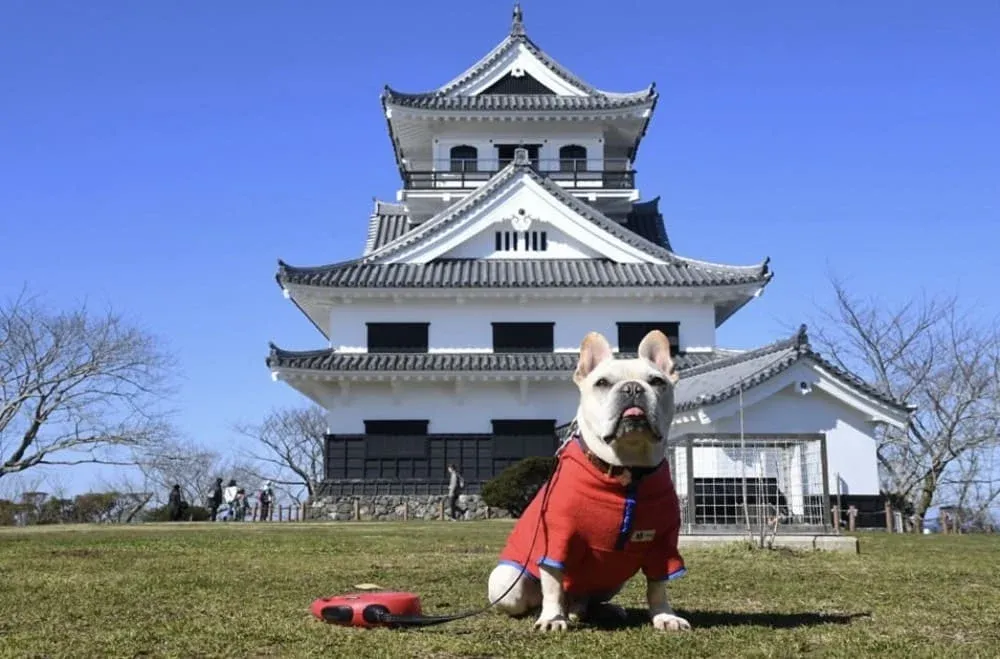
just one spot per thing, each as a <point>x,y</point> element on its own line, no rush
<point>175,504</point>
<point>456,484</point>
<point>229,499</point>
<point>241,504</point>
<point>265,497</point>
<point>215,500</point>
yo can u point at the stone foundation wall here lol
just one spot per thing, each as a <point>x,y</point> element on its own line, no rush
<point>391,507</point>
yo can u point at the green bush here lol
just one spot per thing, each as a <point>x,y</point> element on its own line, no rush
<point>191,513</point>
<point>514,487</point>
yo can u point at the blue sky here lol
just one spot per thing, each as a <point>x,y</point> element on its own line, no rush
<point>161,157</point>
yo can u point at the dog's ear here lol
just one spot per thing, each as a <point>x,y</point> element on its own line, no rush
<point>594,349</point>
<point>656,348</point>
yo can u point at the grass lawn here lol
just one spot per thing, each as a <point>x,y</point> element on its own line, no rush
<point>199,590</point>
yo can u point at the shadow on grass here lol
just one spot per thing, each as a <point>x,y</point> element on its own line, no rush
<point>709,619</point>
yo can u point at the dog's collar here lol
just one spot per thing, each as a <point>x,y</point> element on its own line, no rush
<point>624,475</point>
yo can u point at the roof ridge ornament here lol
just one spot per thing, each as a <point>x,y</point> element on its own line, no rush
<point>521,157</point>
<point>802,338</point>
<point>517,25</point>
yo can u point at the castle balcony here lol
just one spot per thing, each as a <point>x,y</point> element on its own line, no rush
<point>574,174</point>
<point>430,185</point>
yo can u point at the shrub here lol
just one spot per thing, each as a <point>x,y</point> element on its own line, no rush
<point>191,513</point>
<point>514,487</point>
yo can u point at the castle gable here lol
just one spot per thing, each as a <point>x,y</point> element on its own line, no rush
<point>520,214</point>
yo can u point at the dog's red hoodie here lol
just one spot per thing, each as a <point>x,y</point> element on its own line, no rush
<point>597,530</point>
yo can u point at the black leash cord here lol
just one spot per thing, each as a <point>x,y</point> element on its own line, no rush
<point>381,615</point>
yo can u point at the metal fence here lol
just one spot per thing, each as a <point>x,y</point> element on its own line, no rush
<point>728,483</point>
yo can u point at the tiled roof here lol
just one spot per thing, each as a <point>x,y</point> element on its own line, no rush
<point>470,273</point>
<point>723,379</point>
<point>522,273</point>
<point>516,38</point>
<point>515,362</point>
<point>705,378</point>
<point>646,220</point>
<point>515,102</point>
<point>446,98</point>
<point>388,222</point>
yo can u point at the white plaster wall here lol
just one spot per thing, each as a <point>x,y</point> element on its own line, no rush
<point>484,136</point>
<point>466,327</point>
<point>850,445</point>
<point>449,412</point>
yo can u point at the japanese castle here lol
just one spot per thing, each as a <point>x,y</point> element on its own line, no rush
<point>518,227</point>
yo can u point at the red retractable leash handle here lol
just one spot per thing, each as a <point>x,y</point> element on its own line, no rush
<point>397,609</point>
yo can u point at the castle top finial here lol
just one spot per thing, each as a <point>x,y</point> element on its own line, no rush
<point>517,26</point>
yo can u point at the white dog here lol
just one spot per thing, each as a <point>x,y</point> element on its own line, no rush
<point>610,510</point>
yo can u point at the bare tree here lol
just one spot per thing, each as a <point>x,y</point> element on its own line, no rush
<point>193,467</point>
<point>973,486</point>
<point>76,387</point>
<point>934,356</point>
<point>288,445</point>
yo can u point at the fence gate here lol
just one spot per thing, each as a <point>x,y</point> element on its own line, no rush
<point>728,483</point>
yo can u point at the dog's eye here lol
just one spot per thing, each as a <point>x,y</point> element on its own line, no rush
<point>657,381</point>
<point>602,383</point>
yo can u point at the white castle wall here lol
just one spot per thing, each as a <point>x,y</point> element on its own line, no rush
<point>551,136</point>
<point>447,411</point>
<point>466,327</point>
<point>850,444</point>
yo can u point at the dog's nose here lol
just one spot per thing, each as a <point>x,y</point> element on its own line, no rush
<point>632,389</point>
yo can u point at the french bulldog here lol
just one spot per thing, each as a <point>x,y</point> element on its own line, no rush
<point>610,509</point>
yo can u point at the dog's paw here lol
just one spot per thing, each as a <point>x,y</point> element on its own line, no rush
<point>553,624</point>
<point>668,622</point>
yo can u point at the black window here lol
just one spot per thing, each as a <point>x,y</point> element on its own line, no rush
<point>631,334</point>
<point>527,241</point>
<point>572,158</point>
<point>523,84</point>
<point>397,427</point>
<point>505,153</point>
<point>523,337</point>
<point>524,427</point>
<point>397,337</point>
<point>464,158</point>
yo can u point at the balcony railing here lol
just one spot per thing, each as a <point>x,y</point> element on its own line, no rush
<point>575,174</point>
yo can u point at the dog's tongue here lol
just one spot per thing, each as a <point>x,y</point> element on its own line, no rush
<point>634,411</point>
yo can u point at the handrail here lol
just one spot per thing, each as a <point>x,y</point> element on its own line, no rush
<point>569,173</point>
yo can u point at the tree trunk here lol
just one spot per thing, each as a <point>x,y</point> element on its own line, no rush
<point>927,490</point>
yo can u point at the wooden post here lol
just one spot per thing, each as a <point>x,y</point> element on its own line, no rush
<point>835,510</point>
<point>357,510</point>
<point>852,516</point>
<point>487,512</point>
<point>888,517</point>
<point>406,510</point>
<point>441,509</point>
